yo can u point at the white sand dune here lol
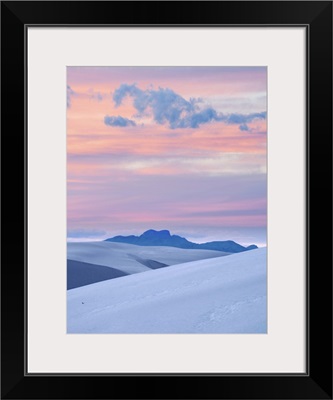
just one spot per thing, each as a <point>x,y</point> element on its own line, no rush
<point>217,295</point>
<point>132,259</point>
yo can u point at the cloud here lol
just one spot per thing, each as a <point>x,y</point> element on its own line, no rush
<point>128,90</point>
<point>244,127</point>
<point>168,107</point>
<point>70,93</point>
<point>198,118</point>
<point>257,129</point>
<point>95,95</point>
<point>85,233</point>
<point>243,118</point>
<point>232,212</point>
<point>118,121</point>
<point>89,94</point>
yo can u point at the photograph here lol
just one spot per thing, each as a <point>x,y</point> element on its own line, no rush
<point>166,199</point>
<point>166,176</point>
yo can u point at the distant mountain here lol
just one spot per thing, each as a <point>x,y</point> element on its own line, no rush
<point>252,247</point>
<point>164,238</point>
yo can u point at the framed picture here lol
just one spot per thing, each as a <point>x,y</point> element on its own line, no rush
<point>163,208</point>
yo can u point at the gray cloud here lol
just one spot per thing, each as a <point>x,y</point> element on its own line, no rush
<point>244,127</point>
<point>118,121</point>
<point>83,233</point>
<point>168,107</point>
<point>70,93</point>
<point>229,213</point>
<point>244,118</point>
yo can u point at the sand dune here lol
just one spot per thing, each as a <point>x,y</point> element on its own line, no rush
<point>218,295</point>
<point>132,259</point>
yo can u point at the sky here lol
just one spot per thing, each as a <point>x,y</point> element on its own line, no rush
<point>177,148</point>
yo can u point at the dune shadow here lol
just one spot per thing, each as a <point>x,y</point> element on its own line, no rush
<point>81,273</point>
<point>152,264</point>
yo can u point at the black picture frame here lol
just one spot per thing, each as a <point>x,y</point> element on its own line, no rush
<point>316,383</point>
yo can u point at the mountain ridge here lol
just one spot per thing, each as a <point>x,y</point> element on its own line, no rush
<point>152,237</point>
